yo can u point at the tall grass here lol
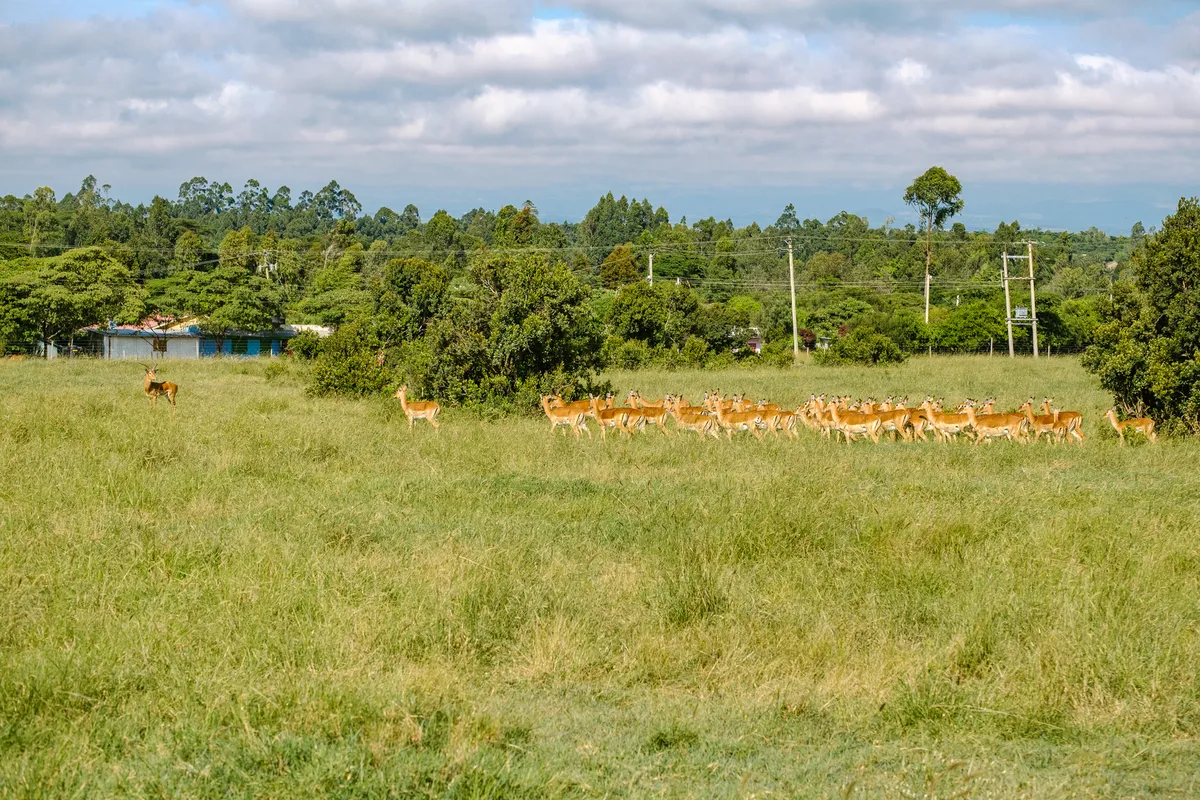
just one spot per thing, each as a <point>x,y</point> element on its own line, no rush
<point>273,595</point>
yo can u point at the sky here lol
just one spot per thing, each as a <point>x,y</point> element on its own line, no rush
<point>1056,113</point>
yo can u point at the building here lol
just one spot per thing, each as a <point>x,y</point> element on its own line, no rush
<point>163,337</point>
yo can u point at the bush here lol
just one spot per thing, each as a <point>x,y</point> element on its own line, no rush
<point>348,364</point>
<point>971,328</point>
<point>1147,352</point>
<point>695,352</point>
<point>524,328</point>
<point>861,347</point>
<point>305,344</point>
<point>778,353</point>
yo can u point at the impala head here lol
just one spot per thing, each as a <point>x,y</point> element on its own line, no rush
<point>401,391</point>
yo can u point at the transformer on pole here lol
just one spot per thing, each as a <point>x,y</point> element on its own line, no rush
<point>1023,316</point>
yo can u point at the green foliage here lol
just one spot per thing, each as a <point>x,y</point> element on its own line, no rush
<point>904,327</point>
<point>695,352</point>
<point>970,328</point>
<point>935,195</point>
<point>619,268</point>
<point>639,312</point>
<point>305,345</point>
<point>778,352</point>
<point>347,364</point>
<point>860,347</point>
<point>1147,352</point>
<point>49,300</point>
<point>525,329</point>
<point>409,294</point>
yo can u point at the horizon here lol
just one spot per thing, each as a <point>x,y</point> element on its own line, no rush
<point>1062,116</point>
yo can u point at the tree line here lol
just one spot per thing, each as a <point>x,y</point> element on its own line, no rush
<point>244,261</point>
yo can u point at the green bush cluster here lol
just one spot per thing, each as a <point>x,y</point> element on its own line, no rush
<point>861,347</point>
<point>1147,349</point>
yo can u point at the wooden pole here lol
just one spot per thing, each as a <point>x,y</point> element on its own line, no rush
<point>795,326</point>
<point>1033,300</point>
<point>1008,308</point>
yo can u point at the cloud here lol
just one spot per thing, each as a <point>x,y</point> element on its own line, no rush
<point>701,92</point>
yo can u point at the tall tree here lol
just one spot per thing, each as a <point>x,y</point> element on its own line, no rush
<point>935,196</point>
<point>39,217</point>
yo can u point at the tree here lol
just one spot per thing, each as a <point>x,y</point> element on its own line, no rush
<point>56,297</point>
<point>638,312</point>
<point>39,217</point>
<point>525,328</point>
<point>409,293</point>
<point>1147,352</point>
<point>226,299</point>
<point>619,268</point>
<point>935,196</point>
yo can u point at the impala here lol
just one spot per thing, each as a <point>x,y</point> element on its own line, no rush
<point>1038,424</point>
<point>945,426</point>
<point>154,388</point>
<point>778,419</point>
<point>692,420</point>
<point>739,420</point>
<point>852,423</point>
<point>637,401</point>
<point>575,405</point>
<point>919,422</point>
<point>639,417</point>
<point>995,426</point>
<point>562,416</point>
<point>897,421</point>
<point>615,418</point>
<point>1143,425</point>
<point>418,410</point>
<point>1069,422</point>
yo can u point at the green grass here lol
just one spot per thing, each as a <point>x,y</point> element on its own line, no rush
<point>272,595</point>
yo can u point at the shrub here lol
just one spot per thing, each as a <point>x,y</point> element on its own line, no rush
<point>861,347</point>
<point>305,344</point>
<point>1147,352</point>
<point>778,353</point>
<point>695,352</point>
<point>627,353</point>
<point>524,328</point>
<point>970,328</point>
<point>348,364</point>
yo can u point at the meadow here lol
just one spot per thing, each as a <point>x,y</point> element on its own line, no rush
<point>272,595</point>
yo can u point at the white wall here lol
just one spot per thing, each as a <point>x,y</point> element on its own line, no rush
<point>129,347</point>
<point>183,348</point>
<point>141,349</point>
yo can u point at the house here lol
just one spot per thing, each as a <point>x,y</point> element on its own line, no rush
<point>168,337</point>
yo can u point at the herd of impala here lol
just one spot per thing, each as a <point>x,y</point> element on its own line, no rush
<point>838,416</point>
<point>835,417</point>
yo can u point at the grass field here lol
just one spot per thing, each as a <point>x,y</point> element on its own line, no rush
<point>277,596</point>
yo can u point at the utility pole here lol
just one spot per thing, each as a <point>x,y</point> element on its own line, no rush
<point>1033,301</point>
<point>928,260</point>
<point>795,327</point>
<point>652,269</point>
<point>1008,309</point>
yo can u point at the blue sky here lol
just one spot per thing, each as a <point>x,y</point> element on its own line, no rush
<point>1058,113</point>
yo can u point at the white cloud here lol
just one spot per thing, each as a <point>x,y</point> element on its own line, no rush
<point>746,90</point>
<point>909,72</point>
